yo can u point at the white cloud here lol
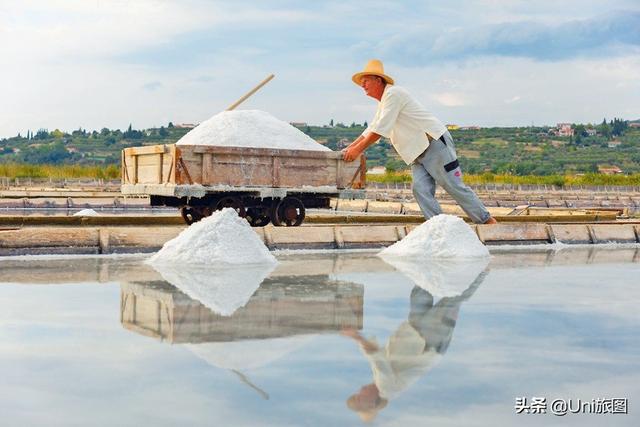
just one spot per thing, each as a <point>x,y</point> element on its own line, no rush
<point>449,99</point>
<point>51,29</point>
<point>84,63</point>
<point>581,90</point>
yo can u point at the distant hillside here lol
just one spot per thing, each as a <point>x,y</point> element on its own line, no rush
<point>515,150</point>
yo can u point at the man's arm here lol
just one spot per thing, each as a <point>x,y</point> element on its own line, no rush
<point>359,145</point>
<point>368,346</point>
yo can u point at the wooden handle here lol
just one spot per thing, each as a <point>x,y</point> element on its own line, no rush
<point>251,92</point>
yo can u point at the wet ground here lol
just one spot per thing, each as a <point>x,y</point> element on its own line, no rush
<point>322,339</point>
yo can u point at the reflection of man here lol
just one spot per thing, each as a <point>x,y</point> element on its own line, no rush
<point>413,349</point>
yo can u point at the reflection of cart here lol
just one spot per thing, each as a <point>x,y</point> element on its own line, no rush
<point>262,184</point>
<point>281,307</point>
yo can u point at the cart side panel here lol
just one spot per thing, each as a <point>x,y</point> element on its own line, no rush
<point>314,172</point>
<point>148,165</point>
<point>239,170</point>
<point>189,166</point>
<point>237,166</point>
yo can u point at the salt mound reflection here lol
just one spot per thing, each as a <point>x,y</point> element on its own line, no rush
<point>222,290</point>
<point>441,278</point>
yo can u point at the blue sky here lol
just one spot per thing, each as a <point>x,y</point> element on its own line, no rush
<point>97,63</point>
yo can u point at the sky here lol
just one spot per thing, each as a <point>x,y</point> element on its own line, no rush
<point>90,64</point>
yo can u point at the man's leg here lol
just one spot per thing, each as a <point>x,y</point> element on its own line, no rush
<point>441,163</point>
<point>424,189</point>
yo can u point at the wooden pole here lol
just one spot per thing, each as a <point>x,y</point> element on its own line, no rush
<point>251,92</point>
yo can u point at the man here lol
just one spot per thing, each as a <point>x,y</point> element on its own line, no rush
<point>420,139</point>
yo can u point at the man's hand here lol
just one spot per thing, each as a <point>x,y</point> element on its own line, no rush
<point>350,332</point>
<point>367,345</point>
<point>359,145</point>
<point>351,153</point>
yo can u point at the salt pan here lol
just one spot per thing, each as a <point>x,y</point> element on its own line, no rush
<point>443,236</point>
<point>218,240</point>
<point>249,128</point>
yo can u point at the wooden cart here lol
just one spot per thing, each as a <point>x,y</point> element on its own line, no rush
<point>262,184</point>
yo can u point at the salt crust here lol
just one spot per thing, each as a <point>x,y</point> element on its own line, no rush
<point>441,237</point>
<point>249,128</point>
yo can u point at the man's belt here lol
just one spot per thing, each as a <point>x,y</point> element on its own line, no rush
<point>431,139</point>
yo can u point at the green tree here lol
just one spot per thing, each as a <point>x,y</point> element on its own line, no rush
<point>57,133</point>
<point>580,130</point>
<point>604,129</point>
<point>42,134</point>
<point>394,165</point>
<point>332,142</point>
<point>618,127</point>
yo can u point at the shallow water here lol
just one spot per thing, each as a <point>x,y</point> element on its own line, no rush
<point>107,341</point>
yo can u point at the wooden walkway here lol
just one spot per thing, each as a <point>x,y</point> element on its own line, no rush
<point>89,239</point>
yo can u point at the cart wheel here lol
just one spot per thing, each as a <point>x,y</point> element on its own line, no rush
<point>232,202</point>
<point>257,217</point>
<point>290,212</point>
<point>190,214</point>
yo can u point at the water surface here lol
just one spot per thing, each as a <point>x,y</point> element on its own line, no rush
<point>324,339</point>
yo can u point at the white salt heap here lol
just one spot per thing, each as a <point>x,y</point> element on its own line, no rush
<point>249,128</point>
<point>443,236</point>
<point>86,212</point>
<point>222,238</point>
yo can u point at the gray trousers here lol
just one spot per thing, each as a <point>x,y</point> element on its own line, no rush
<point>435,323</point>
<point>438,165</point>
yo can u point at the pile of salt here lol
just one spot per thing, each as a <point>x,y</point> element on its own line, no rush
<point>249,128</point>
<point>222,238</point>
<point>443,236</point>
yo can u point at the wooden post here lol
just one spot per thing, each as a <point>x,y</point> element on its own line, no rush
<point>363,171</point>
<point>275,173</point>
<point>251,92</point>
<point>135,169</point>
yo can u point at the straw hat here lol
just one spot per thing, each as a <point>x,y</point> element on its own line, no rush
<point>373,68</point>
<point>367,402</point>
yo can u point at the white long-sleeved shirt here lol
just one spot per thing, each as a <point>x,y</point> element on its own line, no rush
<point>401,362</point>
<point>405,122</point>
